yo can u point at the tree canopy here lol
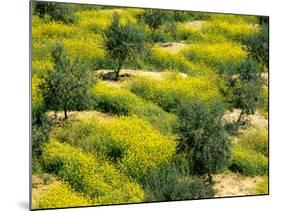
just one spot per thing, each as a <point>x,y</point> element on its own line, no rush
<point>66,86</point>
<point>122,42</point>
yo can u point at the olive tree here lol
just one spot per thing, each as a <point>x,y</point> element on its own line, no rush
<point>245,87</point>
<point>202,136</point>
<point>155,18</point>
<point>66,86</point>
<point>123,42</point>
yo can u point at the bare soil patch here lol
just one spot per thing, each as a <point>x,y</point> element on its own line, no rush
<point>129,73</point>
<point>234,185</point>
<point>255,120</point>
<point>58,118</point>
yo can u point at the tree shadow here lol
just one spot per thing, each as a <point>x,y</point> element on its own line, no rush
<point>110,76</point>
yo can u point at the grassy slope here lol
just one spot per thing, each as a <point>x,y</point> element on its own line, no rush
<point>213,37</point>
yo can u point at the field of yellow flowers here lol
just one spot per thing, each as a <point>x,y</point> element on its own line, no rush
<point>124,146</point>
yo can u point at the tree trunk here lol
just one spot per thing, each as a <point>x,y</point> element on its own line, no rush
<point>210,178</point>
<point>117,74</point>
<point>65,114</point>
<point>240,115</point>
<point>118,69</point>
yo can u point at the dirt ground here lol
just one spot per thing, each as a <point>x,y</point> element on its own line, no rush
<point>256,120</point>
<point>234,185</point>
<point>138,73</point>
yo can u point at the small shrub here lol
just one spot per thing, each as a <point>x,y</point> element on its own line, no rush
<point>86,173</point>
<point>61,195</point>
<point>172,182</point>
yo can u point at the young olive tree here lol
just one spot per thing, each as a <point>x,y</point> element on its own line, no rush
<point>66,86</point>
<point>155,18</point>
<point>123,42</point>
<point>202,137</point>
<point>245,87</point>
